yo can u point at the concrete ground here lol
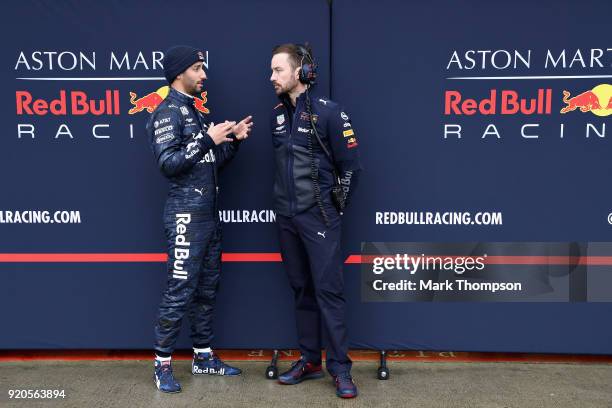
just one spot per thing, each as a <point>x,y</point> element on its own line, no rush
<point>412,384</point>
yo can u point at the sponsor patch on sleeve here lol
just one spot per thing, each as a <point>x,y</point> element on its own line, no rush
<point>161,122</point>
<point>164,138</point>
<point>163,130</point>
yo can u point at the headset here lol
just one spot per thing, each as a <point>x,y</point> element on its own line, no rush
<point>308,68</point>
<point>307,76</point>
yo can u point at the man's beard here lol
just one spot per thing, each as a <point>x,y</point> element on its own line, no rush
<point>192,89</point>
<point>286,90</point>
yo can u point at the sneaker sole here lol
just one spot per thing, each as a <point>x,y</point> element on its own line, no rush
<point>312,376</point>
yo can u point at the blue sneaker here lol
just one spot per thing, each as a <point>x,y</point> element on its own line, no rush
<point>300,370</point>
<point>345,387</point>
<point>164,378</point>
<point>209,363</point>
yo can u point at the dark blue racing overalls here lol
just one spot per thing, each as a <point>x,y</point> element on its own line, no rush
<point>188,157</point>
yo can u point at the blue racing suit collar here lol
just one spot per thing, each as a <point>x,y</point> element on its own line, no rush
<point>180,97</point>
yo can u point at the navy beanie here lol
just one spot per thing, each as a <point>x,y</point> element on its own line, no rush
<point>178,58</point>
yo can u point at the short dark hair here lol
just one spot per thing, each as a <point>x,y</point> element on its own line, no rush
<point>295,59</point>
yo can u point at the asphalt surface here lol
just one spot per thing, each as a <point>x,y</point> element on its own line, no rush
<point>411,384</point>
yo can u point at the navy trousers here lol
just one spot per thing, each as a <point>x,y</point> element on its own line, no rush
<point>194,267</point>
<point>313,261</point>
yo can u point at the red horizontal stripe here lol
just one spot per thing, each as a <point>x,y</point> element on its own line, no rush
<point>99,257</point>
<point>125,257</point>
<point>354,259</point>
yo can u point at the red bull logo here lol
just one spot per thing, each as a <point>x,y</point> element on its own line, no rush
<point>151,101</point>
<point>148,102</point>
<point>504,102</point>
<point>76,103</point>
<point>598,101</point>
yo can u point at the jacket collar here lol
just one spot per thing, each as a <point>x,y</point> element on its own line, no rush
<point>299,102</point>
<point>180,97</point>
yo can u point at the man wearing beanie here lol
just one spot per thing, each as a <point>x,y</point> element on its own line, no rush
<point>190,151</point>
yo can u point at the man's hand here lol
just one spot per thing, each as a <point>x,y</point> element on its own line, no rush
<point>242,129</point>
<point>218,133</point>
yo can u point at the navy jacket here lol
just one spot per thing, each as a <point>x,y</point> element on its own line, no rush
<point>293,188</point>
<point>186,155</point>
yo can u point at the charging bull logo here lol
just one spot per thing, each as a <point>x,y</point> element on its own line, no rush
<point>586,101</point>
<point>151,101</point>
<point>598,101</point>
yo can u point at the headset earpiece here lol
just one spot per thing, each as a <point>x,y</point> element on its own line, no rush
<point>308,68</point>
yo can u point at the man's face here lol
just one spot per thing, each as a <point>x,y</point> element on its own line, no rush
<point>193,78</point>
<point>284,78</point>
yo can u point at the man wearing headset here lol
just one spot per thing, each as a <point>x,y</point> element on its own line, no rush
<point>317,166</point>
